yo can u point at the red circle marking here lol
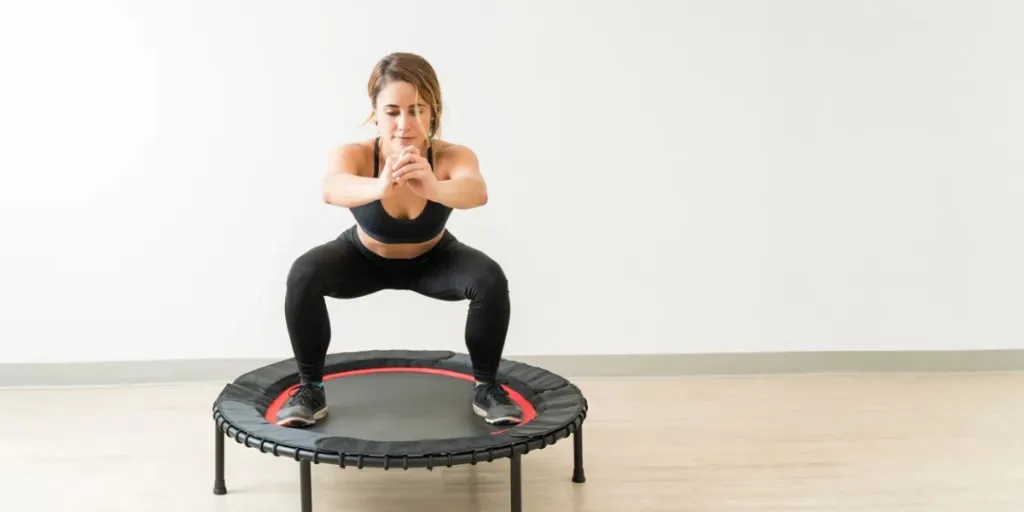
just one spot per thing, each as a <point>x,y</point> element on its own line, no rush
<point>529,413</point>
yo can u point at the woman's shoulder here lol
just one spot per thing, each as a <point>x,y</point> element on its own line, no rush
<point>355,157</point>
<point>449,155</point>
<point>357,148</point>
<point>446,150</point>
<point>446,146</point>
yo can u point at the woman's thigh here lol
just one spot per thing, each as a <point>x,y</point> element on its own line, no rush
<point>336,269</point>
<point>458,271</point>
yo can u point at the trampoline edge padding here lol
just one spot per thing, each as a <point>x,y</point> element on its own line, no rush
<point>240,411</point>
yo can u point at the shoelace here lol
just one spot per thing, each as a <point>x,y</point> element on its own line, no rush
<point>300,392</point>
<point>498,394</point>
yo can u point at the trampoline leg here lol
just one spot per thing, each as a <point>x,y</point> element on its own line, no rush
<point>218,472</point>
<point>305,484</point>
<point>517,483</point>
<point>577,466</point>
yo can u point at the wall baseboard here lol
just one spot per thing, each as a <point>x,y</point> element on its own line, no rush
<point>580,366</point>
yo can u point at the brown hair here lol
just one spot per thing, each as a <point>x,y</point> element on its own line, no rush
<point>411,68</point>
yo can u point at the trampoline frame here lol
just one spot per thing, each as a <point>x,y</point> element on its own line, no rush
<point>306,457</point>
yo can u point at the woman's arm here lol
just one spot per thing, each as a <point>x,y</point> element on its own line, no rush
<point>342,186</point>
<point>465,187</point>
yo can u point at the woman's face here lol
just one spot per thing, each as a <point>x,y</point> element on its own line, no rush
<point>403,118</point>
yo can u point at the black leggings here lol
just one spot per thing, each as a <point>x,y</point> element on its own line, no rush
<point>344,268</point>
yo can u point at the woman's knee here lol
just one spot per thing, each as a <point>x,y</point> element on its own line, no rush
<point>307,271</point>
<point>302,272</point>
<point>487,279</point>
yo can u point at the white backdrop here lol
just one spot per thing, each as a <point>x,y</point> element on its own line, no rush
<point>704,176</point>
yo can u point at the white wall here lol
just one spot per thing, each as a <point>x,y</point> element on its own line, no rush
<point>697,177</point>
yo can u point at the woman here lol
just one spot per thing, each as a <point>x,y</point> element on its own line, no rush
<point>401,187</point>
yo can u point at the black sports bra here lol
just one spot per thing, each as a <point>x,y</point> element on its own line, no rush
<point>380,225</point>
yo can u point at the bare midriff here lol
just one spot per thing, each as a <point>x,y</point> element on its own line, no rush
<point>397,251</point>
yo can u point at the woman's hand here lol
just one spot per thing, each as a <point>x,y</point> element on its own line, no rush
<point>414,171</point>
<point>386,181</point>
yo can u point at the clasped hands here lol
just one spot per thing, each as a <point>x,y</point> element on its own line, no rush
<point>408,168</point>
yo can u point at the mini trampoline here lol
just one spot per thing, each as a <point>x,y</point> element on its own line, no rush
<point>399,410</point>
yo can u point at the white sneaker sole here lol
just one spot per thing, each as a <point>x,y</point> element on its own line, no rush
<point>493,421</point>
<point>293,421</point>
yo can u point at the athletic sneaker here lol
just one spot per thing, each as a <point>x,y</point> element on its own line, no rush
<point>492,402</point>
<point>306,404</point>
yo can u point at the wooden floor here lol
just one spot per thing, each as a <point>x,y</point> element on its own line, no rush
<point>801,443</point>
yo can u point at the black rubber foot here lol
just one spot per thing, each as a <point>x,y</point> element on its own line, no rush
<point>219,489</point>
<point>578,476</point>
